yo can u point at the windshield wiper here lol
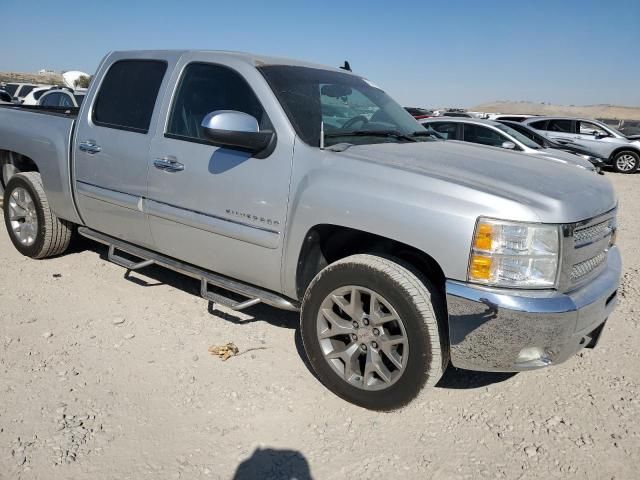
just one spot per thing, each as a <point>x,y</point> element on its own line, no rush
<point>372,133</point>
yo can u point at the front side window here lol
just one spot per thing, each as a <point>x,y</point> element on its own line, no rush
<point>561,126</point>
<point>482,135</point>
<point>447,130</point>
<point>588,128</point>
<point>128,95</point>
<point>205,88</point>
<point>540,124</point>
<point>350,108</point>
<point>38,94</point>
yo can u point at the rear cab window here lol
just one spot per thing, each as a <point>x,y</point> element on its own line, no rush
<point>128,95</point>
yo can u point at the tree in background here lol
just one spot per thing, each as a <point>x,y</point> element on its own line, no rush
<point>82,82</point>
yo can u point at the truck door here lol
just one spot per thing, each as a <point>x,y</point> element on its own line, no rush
<point>112,145</point>
<point>216,207</point>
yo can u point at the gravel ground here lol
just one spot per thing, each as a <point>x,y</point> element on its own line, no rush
<point>104,376</point>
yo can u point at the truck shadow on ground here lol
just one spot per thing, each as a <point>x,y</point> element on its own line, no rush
<point>276,464</point>
<point>153,276</point>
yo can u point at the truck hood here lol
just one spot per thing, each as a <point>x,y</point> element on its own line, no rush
<point>557,192</point>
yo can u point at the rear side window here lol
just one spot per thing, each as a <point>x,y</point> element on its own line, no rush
<point>128,95</point>
<point>38,94</point>
<point>563,126</point>
<point>51,100</point>
<point>205,88</point>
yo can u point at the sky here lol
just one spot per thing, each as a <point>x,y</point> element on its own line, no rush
<point>423,53</point>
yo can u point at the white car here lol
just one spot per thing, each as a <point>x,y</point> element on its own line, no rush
<point>61,98</point>
<point>497,135</point>
<point>21,90</point>
<point>34,95</point>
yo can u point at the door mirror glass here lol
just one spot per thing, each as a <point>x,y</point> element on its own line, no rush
<point>233,129</point>
<point>508,145</point>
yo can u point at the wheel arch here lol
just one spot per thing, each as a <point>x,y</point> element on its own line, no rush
<point>20,163</point>
<point>326,243</point>
<point>623,149</point>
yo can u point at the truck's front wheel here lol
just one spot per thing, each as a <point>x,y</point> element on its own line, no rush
<point>33,228</point>
<point>370,330</point>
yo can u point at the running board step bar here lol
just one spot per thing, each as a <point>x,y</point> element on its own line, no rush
<point>253,295</point>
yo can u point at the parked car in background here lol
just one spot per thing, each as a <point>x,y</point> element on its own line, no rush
<point>62,98</point>
<point>629,128</point>
<point>621,152</point>
<point>21,90</point>
<point>456,114</point>
<point>510,117</point>
<point>34,95</point>
<point>402,253</point>
<point>546,142</point>
<point>5,97</point>
<point>419,113</point>
<point>495,134</point>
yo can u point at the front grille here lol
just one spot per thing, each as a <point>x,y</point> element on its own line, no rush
<point>579,270</point>
<point>585,250</point>
<point>586,235</point>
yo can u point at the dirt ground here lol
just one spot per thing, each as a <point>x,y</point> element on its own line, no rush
<point>109,377</point>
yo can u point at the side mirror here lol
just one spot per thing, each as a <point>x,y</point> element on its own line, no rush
<point>509,145</point>
<point>233,129</point>
<point>599,136</point>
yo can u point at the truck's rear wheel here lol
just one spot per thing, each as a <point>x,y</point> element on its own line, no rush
<point>33,228</point>
<point>370,330</point>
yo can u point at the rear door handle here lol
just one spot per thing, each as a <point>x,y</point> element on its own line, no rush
<point>168,164</point>
<point>89,147</point>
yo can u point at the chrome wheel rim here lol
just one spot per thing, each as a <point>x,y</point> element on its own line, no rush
<point>362,338</point>
<point>626,163</point>
<point>23,216</point>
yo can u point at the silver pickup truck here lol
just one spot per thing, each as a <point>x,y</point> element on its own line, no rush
<point>308,188</point>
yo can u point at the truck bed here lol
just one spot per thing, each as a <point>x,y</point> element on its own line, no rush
<point>43,135</point>
<point>56,111</point>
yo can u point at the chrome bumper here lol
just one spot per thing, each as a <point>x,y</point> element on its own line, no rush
<point>509,330</point>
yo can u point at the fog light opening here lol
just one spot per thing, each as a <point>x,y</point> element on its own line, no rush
<point>533,357</point>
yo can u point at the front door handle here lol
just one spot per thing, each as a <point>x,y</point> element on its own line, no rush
<point>89,147</point>
<point>168,164</point>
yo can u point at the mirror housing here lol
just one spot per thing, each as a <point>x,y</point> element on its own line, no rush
<point>239,130</point>
<point>508,145</point>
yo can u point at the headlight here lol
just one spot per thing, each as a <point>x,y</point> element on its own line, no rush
<point>511,254</point>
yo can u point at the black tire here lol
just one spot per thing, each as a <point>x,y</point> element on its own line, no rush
<point>618,157</point>
<point>417,303</point>
<point>53,234</point>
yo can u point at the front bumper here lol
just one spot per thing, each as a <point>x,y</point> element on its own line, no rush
<point>504,330</point>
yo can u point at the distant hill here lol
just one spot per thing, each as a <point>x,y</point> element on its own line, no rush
<point>44,79</point>
<point>588,111</point>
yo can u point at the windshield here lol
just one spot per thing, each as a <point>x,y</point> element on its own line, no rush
<point>350,108</point>
<point>527,142</point>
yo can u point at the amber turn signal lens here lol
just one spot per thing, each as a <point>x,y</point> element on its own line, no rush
<point>484,237</point>
<point>480,268</point>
